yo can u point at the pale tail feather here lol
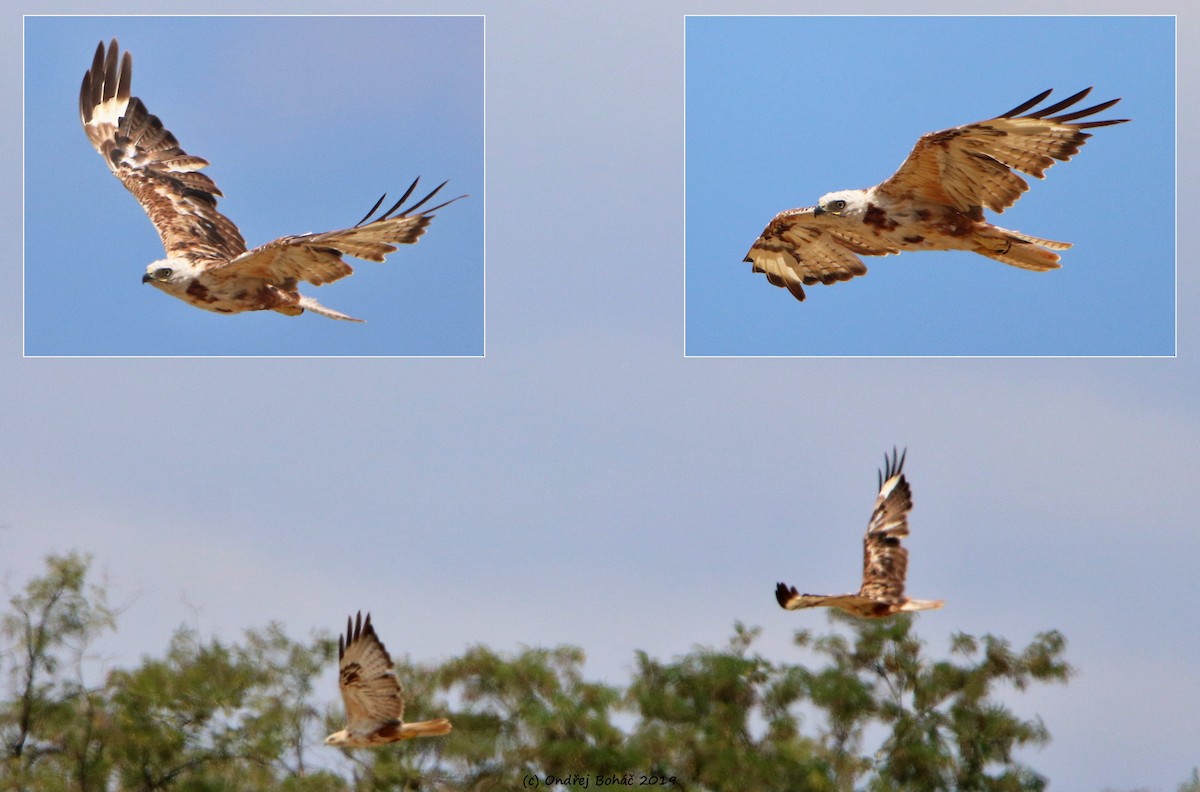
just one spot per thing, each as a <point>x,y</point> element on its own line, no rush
<point>1046,243</point>
<point>1020,250</point>
<point>310,304</point>
<point>919,605</point>
<point>431,728</point>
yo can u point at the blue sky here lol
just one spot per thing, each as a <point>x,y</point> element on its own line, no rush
<point>305,123</point>
<point>781,110</point>
<point>587,483</point>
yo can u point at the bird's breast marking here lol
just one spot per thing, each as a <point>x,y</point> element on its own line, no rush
<point>199,292</point>
<point>879,218</point>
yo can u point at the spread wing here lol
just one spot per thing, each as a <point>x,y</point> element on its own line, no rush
<point>885,561</point>
<point>799,248</point>
<point>180,201</point>
<point>367,679</point>
<point>971,166</point>
<point>789,598</point>
<point>317,258</point>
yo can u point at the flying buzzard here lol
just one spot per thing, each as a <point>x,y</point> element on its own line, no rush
<point>374,701</point>
<point>885,561</point>
<point>207,264</point>
<point>934,201</point>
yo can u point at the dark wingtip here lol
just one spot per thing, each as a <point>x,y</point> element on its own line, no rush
<point>372,211</point>
<point>410,211</point>
<point>1066,118</point>
<point>783,593</point>
<point>1054,108</point>
<point>1021,108</point>
<point>345,641</point>
<point>429,212</point>
<point>891,465</point>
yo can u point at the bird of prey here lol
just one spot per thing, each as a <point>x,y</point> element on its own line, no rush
<point>935,200</point>
<point>885,561</point>
<point>371,692</point>
<point>207,263</point>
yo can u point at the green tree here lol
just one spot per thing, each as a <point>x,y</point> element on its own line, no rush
<point>730,719</point>
<point>697,721</point>
<point>283,717</point>
<point>54,727</point>
<point>211,716</point>
<point>532,714</point>
<point>179,716</point>
<point>862,707</point>
<point>947,729</point>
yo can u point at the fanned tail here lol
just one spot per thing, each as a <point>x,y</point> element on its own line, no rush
<point>1020,250</point>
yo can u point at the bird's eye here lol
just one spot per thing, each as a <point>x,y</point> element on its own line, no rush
<point>162,273</point>
<point>837,206</point>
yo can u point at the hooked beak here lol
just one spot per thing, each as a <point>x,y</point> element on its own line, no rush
<point>817,210</point>
<point>147,278</point>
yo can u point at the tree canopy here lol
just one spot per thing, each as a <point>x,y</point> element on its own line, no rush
<point>876,712</point>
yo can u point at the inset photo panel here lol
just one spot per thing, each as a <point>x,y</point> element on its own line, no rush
<point>211,186</point>
<point>930,186</point>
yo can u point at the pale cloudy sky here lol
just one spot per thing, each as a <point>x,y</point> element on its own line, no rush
<point>586,483</point>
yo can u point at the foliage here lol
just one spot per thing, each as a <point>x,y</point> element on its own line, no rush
<point>50,717</point>
<point>870,709</point>
<point>947,732</point>
<point>697,721</point>
<point>532,714</point>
